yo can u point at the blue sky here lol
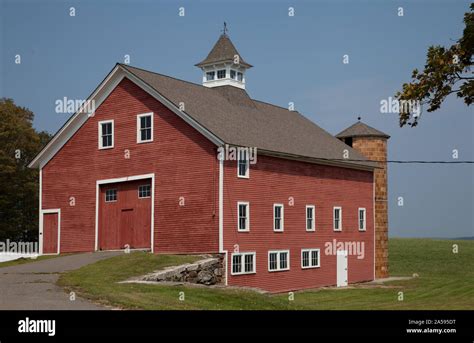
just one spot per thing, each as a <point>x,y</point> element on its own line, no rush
<point>297,59</point>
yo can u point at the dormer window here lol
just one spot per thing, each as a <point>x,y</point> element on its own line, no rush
<point>221,74</point>
<point>210,75</point>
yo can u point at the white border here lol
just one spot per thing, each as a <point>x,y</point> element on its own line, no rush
<point>101,147</point>
<point>248,216</point>
<point>365,219</point>
<point>334,218</point>
<point>139,137</point>
<point>125,179</point>
<point>282,218</point>
<point>243,272</point>
<point>310,250</point>
<point>313,228</point>
<point>43,212</point>
<point>278,260</point>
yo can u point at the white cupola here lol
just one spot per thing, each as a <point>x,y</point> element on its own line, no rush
<point>224,66</point>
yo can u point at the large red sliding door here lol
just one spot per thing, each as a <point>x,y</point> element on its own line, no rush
<point>125,215</point>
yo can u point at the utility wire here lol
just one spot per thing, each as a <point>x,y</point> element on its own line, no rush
<point>398,161</point>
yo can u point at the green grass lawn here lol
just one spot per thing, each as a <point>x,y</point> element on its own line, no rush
<point>446,281</point>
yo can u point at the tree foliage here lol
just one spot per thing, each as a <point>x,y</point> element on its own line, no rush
<point>447,71</point>
<point>19,143</point>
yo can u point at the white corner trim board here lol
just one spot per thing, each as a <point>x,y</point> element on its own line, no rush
<point>125,179</point>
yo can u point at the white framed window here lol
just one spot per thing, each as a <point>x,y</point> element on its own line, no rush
<point>310,258</point>
<point>240,76</point>
<point>106,134</point>
<point>233,74</point>
<point>243,263</point>
<point>243,216</point>
<point>278,260</point>
<point>278,217</point>
<point>144,191</point>
<point>145,128</point>
<point>221,74</point>
<point>337,216</point>
<point>210,75</point>
<point>362,219</point>
<point>110,195</point>
<point>243,163</point>
<point>310,218</point>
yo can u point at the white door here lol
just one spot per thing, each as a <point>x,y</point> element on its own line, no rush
<point>342,268</point>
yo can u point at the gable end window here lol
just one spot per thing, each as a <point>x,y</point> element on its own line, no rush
<point>243,263</point>
<point>145,127</point>
<point>243,216</point>
<point>110,195</point>
<point>337,226</point>
<point>309,258</point>
<point>362,219</point>
<point>243,164</point>
<point>278,260</point>
<point>310,217</point>
<point>278,220</point>
<point>144,191</point>
<point>106,134</point>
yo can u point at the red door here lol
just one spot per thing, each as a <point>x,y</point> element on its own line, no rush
<point>125,215</point>
<point>50,233</point>
<point>126,228</point>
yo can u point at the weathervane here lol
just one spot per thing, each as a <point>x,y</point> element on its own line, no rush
<point>225,29</point>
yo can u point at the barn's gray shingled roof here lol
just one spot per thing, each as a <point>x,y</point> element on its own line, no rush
<point>231,115</point>
<point>223,50</point>
<point>360,129</point>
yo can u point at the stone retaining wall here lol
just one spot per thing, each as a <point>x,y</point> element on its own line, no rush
<point>208,271</point>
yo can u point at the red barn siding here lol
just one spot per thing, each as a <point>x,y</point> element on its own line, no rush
<point>274,180</point>
<point>183,161</point>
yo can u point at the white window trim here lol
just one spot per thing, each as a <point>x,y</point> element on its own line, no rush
<point>243,272</point>
<point>247,162</point>
<point>101,147</point>
<point>139,136</point>
<point>310,259</point>
<point>138,191</point>
<point>365,218</point>
<point>282,218</point>
<point>248,216</point>
<point>278,252</point>
<point>334,218</point>
<point>116,194</point>
<point>313,227</point>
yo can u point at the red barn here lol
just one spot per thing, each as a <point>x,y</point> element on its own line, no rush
<point>176,167</point>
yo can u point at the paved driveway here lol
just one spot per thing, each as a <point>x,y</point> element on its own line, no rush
<point>32,286</point>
